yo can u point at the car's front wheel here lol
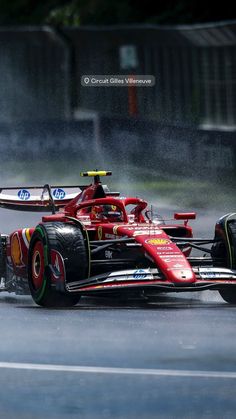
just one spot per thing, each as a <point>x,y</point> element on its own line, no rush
<point>224,251</point>
<point>58,253</point>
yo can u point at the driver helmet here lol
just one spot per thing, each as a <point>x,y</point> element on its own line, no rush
<point>107,212</point>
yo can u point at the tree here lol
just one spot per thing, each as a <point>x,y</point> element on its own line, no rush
<point>105,12</point>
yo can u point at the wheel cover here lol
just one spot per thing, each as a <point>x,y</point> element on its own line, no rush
<point>37,265</point>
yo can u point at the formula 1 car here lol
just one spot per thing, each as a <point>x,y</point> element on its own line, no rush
<point>97,242</point>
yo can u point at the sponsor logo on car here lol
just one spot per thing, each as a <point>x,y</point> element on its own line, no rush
<point>59,193</point>
<point>110,236</point>
<point>99,233</point>
<point>146,232</point>
<point>138,230</point>
<point>157,242</point>
<point>140,274</point>
<point>26,236</point>
<point>115,229</point>
<point>208,273</point>
<point>141,227</point>
<point>130,274</point>
<point>58,274</point>
<point>108,254</point>
<point>16,250</point>
<point>23,194</point>
<point>178,256</point>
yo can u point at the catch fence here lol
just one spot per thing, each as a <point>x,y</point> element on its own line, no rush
<point>194,67</point>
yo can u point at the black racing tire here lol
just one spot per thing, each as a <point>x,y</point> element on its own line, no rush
<point>229,295</point>
<point>2,259</point>
<point>219,254</point>
<point>232,238</point>
<point>224,255</point>
<point>71,243</point>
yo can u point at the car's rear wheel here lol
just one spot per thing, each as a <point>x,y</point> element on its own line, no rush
<point>2,259</point>
<point>58,253</point>
<point>224,252</point>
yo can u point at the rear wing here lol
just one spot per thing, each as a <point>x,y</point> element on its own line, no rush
<point>38,198</point>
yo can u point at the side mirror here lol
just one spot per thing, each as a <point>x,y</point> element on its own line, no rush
<point>185,215</point>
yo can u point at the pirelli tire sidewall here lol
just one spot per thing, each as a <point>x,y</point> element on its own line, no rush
<point>70,242</point>
<point>224,251</point>
<point>232,239</point>
<point>2,259</point>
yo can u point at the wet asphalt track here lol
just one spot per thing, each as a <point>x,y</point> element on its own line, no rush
<point>170,358</point>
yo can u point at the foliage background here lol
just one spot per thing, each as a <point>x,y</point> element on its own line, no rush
<point>105,12</point>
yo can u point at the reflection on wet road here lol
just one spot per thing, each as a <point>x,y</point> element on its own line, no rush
<point>171,357</point>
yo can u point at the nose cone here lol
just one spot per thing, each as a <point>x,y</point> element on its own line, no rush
<point>185,275</point>
<point>169,259</point>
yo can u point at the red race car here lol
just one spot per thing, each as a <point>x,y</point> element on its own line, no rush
<point>96,242</point>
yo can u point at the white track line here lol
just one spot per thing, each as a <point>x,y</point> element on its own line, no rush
<point>119,371</point>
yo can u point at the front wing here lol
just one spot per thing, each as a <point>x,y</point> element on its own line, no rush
<point>140,279</point>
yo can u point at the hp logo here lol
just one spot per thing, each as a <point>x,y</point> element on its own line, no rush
<point>23,194</point>
<point>140,274</point>
<point>59,193</point>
